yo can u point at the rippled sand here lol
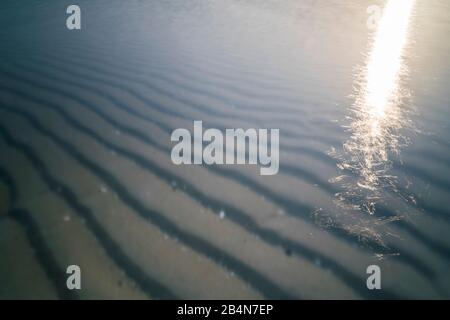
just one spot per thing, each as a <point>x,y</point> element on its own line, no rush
<point>86,176</point>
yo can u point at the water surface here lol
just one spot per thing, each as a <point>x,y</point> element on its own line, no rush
<point>86,176</point>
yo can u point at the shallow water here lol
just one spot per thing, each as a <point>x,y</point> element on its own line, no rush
<point>86,176</point>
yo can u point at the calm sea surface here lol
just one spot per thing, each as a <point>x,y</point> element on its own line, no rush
<point>86,176</point>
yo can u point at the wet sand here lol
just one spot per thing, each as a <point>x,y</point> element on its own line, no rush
<point>86,176</point>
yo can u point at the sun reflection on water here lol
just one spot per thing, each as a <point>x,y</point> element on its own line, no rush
<point>378,113</point>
